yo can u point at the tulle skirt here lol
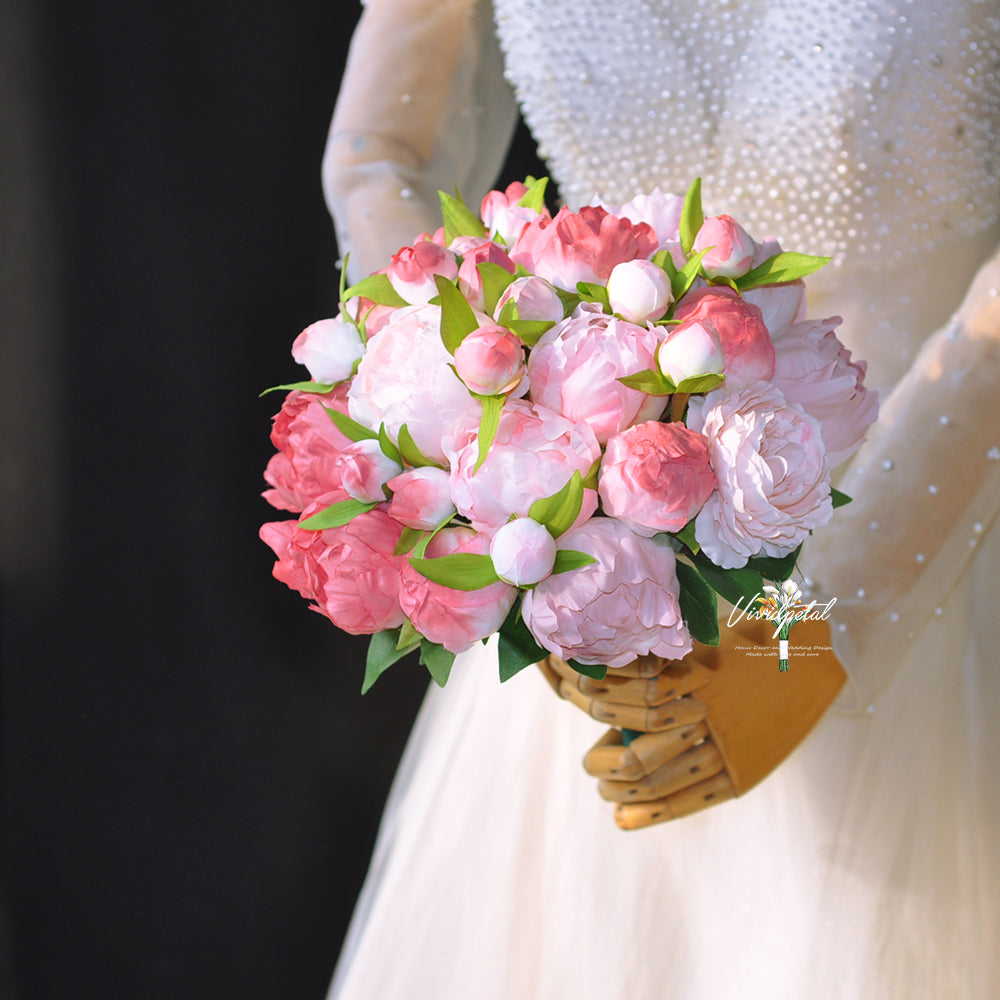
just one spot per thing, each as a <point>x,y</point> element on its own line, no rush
<point>867,866</point>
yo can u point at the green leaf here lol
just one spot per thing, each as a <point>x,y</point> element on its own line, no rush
<point>839,499</point>
<point>701,383</point>
<point>378,288</point>
<point>317,387</point>
<point>686,536</point>
<point>592,478</point>
<point>590,291</point>
<point>437,660</point>
<point>733,585</point>
<point>495,279</point>
<point>459,220</point>
<point>517,646</point>
<point>459,571</point>
<point>699,606</point>
<point>687,274</point>
<point>407,540</point>
<point>492,407</point>
<point>663,260</point>
<point>408,636</point>
<point>351,428</point>
<point>780,268</point>
<point>336,515</point>
<point>382,654</point>
<point>559,511</point>
<point>779,569</point>
<point>534,197</point>
<point>457,318</point>
<point>529,330</point>
<point>388,448</point>
<point>649,381</point>
<point>409,451</point>
<point>567,559</point>
<point>692,217</point>
<point>596,670</point>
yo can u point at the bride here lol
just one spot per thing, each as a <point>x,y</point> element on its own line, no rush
<point>867,865</point>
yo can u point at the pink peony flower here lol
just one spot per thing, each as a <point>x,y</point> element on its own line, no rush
<point>575,367</point>
<point>534,454</point>
<point>656,477</point>
<point>639,291</point>
<point>350,572</point>
<point>502,215</point>
<point>523,552</point>
<point>457,619</point>
<point>535,298</point>
<point>694,348</point>
<point>490,361</point>
<point>732,247</point>
<point>406,377</point>
<point>658,209</point>
<point>582,246</point>
<point>364,470</point>
<point>624,605</point>
<point>774,479</point>
<point>328,349</point>
<point>746,343</point>
<point>780,305</point>
<point>307,465</point>
<point>814,369</point>
<point>477,250</point>
<point>411,271</point>
<point>421,498</point>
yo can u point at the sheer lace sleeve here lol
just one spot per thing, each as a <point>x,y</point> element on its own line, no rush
<point>423,107</point>
<point>926,488</point>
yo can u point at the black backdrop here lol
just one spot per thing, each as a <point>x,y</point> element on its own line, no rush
<point>191,780</point>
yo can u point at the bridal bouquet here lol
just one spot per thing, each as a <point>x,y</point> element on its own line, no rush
<point>574,430</point>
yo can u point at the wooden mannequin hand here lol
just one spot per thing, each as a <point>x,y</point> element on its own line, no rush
<point>714,723</point>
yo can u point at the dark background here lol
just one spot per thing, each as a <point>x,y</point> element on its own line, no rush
<point>191,780</point>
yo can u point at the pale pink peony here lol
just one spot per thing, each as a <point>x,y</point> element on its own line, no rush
<point>656,477</point>
<point>624,605</point>
<point>328,349</point>
<point>575,367</point>
<point>815,370</point>
<point>477,250</point>
<point>746,343</point>
<point>780,305</point>
<point>732,247</point>
<point>774,479</point>
<point>364,470</point>
<point>639,291</point>
<point>580,246</point>
<point>534,454</point>
<point>350,572</point>
<point>406,377</point>
<point>658,209</point>
<point>421,498</point>
<point>457,619</point>
<point>502,215</point>
<point>523,552</point>
<point>490,361</point>
<point>536,299</point>
<point>307,465</point>
<point>411,271</point>
<point>694,348</point>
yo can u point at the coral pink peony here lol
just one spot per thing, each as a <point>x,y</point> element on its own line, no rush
<point>575,367</point>
<point>746,343</point>
<point>490,361</point>
<point>411,271</point>
<point>454,618</point>
<point>420,498</point>
<point>815,370</point>
<point>534,454</point>
<point>730,247</point>
<point>307,465</point>
<point>656,477</point>
<point>624,605</point>
<point>582,246</point>
<point>774,479</point>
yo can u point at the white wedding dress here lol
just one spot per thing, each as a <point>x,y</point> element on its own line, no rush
<point>868,864</point>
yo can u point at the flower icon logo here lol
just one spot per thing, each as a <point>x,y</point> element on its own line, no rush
<point>782,606</point>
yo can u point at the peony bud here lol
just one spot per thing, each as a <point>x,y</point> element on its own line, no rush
<point>490,361</point>
<point>732,247</point>
<point>535,298</point>
<point>421,498</point>
<point>639,291</point>
<point>328,349</point>
<point>692,349</point>
<point>411,271</point>
<point>523,552</point>
<point>364,470</point>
